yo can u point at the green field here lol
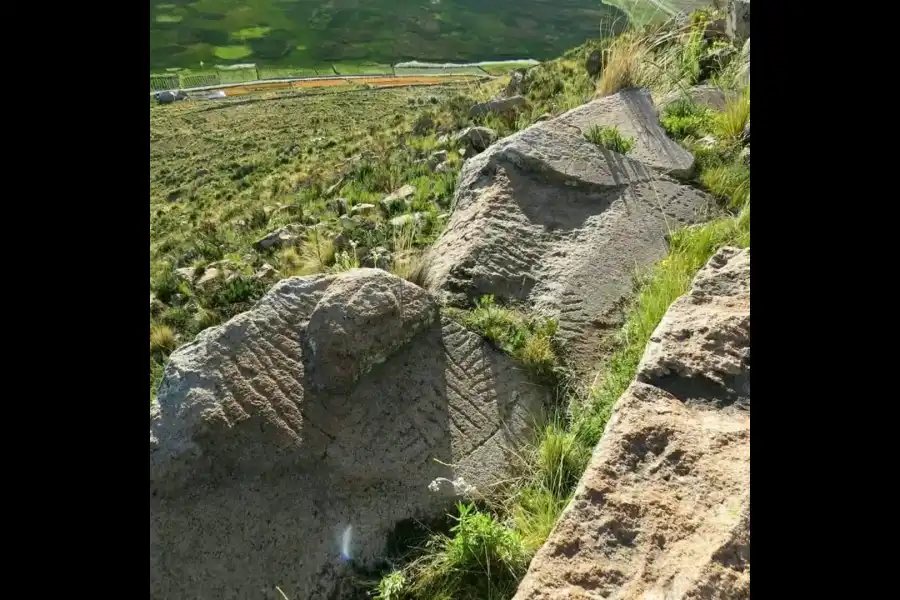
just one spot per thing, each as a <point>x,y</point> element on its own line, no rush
<point>308,33</point>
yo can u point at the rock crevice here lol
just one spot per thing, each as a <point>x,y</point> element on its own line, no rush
<point>663,509</point>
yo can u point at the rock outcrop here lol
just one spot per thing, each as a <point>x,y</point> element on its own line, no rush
<point>497,106</point>
<point>550,219</point>
<point>738,20</point>
<point>703,95</point>
<point>475,139</point>
<point>293,438</point>
<point>663,508</point>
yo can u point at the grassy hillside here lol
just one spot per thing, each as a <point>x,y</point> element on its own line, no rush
<point>310,33</point>
<point>225,174</point>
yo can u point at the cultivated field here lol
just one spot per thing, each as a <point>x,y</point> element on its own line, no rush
<point>312,33</point>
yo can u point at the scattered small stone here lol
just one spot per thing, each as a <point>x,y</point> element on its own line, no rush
<point>284,236</point>
<point>377,258</point>
<point>715,29</point>
<point>455,487</point>
<point>362,209</point>
<point>407,219</point>
<point>475,139</point>
<point>498,107</point>
<point>715,61</point>
<point>265,272</point>
<point>401,195</point>
<point>165,98</point>
<point>155,304</point>
<point>348,223</point>
<point>209,275</point>
<point>187,273</point>
<point>594,63</point>
<point>707,141</point>
<point>516,85</point>
<point>334,187</point>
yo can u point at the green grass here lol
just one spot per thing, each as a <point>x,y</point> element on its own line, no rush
<point>307,33</point>
<point>234,52</point>
<point>683,118</point>
<point>609,138</point>
<point>481,558</point>
<point>504,68</point>
<point>528,339</point>
<point>363,69</point>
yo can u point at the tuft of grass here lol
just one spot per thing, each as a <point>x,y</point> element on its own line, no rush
<point>730,183</point>
<point>482,558</point>
<point>624,64</point>
<point>318,253</point>
<point>534,513</point>
<point>391,586</point>
<point>162,339</point>
<point>527,339</point>
<point>609,138</point>
<point>205,318</point>
<point>345,261</point>
<point>729,124</point>
<point>561,459</point>
<point>684,118</point>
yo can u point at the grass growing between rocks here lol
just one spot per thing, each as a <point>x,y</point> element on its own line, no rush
<point>609,138</point>
<point>526,338</point>
<point>523,512</point>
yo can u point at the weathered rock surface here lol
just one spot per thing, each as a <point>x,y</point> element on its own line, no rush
<point>703,95</point>
<point>663,510</point>
<point>550,219</point>
<point>498,106</point>
<point>738,20</point>
<point>399,197</point>
<point>296,435</point>
<point>516,85</point>
<point>594,63</point>
<point>475,139</point>
<point>744,73</point>
<point>633,113</point>
<point>281,237</point>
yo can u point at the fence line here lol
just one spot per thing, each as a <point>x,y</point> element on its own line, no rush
<point>217,76</point>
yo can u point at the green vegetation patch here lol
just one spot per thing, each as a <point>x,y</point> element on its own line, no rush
<point>609,138</point>
<point>232,52</point>
<point>251,33</point>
